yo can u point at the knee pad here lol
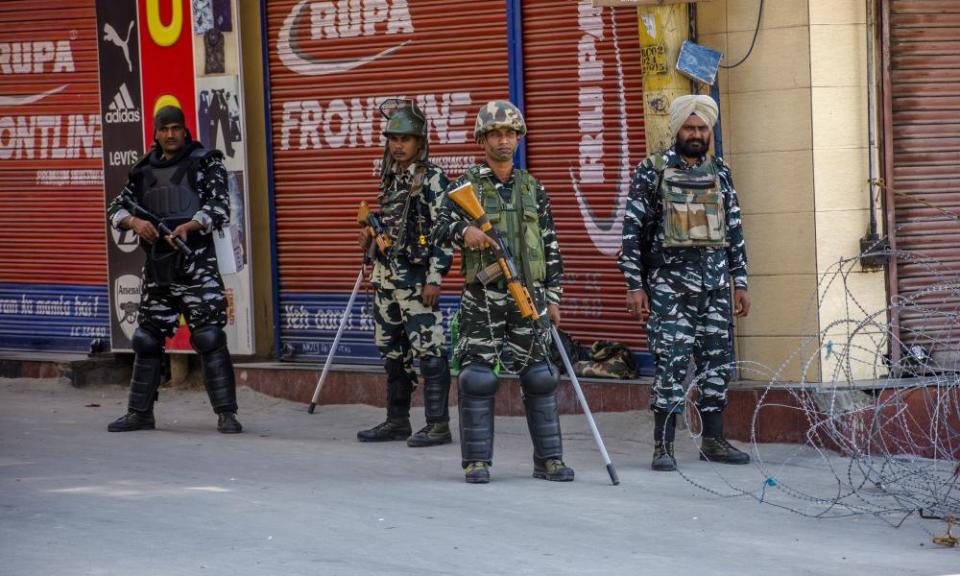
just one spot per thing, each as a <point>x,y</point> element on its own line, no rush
<point>538,380</point>
<point>477,380</point>
<point>147,342</point>
<point>207,339</point>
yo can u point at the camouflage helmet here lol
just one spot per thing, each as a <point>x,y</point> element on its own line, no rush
<point>403,117</point>
<point>499,114</point>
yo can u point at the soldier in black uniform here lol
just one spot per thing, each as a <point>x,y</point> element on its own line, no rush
<point>185,185</point>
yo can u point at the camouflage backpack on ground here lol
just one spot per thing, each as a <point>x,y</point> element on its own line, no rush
<point>570,346</point>
<point>608,360</point>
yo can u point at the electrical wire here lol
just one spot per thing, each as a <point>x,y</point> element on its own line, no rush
<point>753,42</point>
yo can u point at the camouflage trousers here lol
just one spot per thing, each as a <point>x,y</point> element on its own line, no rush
<point>405,327</point>
<point>684,326</point>
<point>197,292</point>
<point>490,322</point>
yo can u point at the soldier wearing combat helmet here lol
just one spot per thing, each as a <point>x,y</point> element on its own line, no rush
<point>491,327</point>
<point>406,281</point>
<point>682,239</point>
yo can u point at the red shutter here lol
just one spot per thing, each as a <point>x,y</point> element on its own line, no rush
<point>584,110</point>
<point>53,255</point>
<point>326,135</point>
<point>924,71</point>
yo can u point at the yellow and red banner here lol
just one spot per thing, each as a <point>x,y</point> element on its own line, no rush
<point>166,58</point>
<point>183,53</point>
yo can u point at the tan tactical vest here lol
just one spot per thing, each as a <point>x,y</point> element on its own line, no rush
<point>518,223</point>
<point>693,214</point>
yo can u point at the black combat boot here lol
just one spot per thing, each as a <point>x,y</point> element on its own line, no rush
<point>227,423</point>
<point>133,420</point>
<point>399,390</point>
<point>144,382</point>
<point>436,391</point>
<point>713,446</point>
<point>539,385</point>
<point>431,435</point>
<point>664,432</point>
<point>477,386</point>
<point>476,473</point>
<point>385,431</point>
<point>553,469</point>
<point>663,458</point>
<point>218,378</point>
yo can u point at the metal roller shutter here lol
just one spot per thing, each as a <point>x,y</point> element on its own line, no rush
<point>924,77</point>
<point>53,268</point>
<point>584,108</point>
<point>331,63</point>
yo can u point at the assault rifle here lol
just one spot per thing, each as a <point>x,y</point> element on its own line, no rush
<point>366,219</point>
<point>466,199</point>
<point>369,220</point>
<point>141,212</point>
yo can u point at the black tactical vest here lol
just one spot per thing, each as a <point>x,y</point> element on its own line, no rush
<point>168,192</point>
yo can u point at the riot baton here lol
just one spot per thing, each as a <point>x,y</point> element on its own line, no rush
<point>583,404</point>
<point>368,255</point>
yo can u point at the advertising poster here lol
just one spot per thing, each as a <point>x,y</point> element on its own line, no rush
<point>182,53</point>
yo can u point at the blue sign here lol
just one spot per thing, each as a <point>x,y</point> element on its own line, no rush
<point>54,317</point>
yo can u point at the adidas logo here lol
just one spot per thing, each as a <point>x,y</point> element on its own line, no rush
<point>122,109</point>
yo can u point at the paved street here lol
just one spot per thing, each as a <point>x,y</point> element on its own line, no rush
<point>297,495</point>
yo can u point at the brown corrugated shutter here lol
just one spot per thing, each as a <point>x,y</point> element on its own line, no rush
<point>584,108</point>
<point>331,64</point>
<point>924,73</point>
<point>53,268</point>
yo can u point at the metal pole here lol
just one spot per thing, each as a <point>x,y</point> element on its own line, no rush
<point>583,404</point>
<point>336,339</point>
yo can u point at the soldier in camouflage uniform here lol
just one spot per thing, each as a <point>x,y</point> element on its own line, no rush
<point>519,208</point>
<point>407,281</point>
<point>186,186</point>
<point>682,238</point>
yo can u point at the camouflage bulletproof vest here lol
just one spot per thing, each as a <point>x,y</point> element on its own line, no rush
<point>693,214</point>
<point>518,222</point>
<point>406,217</point>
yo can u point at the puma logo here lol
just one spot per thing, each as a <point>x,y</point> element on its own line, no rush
<point>110,35</point>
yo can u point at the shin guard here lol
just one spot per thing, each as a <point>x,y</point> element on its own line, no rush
<point>477,386</point>
<point>147,369</point>
<point>211,343</point>
<point>436,389</point>
<point>543,419</point>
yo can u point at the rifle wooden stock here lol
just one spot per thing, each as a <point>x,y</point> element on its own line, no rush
<point>465,198</point>
<point>367,219</point>
<point>523,299</point>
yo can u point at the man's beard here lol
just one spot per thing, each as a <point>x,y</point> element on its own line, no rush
<point>691,147</point>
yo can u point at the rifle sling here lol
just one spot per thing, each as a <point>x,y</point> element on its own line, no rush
<point>415,187</point>
<point>524,263</point>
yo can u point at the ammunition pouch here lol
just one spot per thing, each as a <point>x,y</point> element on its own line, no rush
<point>519,224</point>
<point>163,265</point>
<point>417,254</point>
<point>411,227</point>
<point>693,213</point>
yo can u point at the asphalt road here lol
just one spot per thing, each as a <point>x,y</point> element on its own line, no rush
<point>296,494</point>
